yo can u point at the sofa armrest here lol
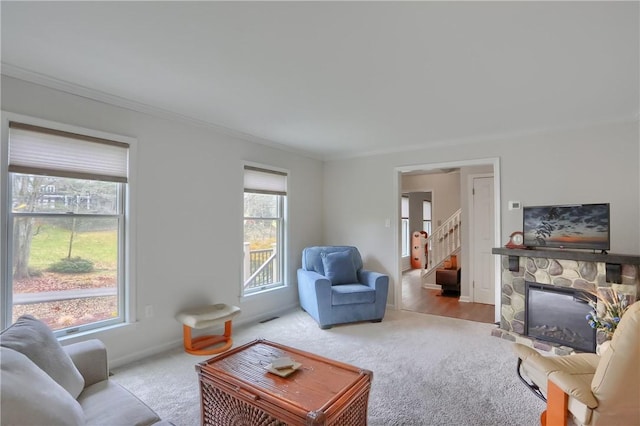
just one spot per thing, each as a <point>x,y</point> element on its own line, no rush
<point>90,358</point>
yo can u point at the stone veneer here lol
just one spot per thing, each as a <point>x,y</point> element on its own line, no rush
<point>584,275</point>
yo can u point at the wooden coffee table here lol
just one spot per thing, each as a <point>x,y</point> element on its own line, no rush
<point>236,389</point>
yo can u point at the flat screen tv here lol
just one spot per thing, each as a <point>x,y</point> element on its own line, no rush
<point>576,226</point>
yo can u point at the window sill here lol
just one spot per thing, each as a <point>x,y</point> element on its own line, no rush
<point>82,335</point>
<point>263,292</point>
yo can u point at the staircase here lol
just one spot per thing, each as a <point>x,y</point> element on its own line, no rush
<point>443,242</point>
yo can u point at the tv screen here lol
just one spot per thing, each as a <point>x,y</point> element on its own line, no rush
<point>578,226</point>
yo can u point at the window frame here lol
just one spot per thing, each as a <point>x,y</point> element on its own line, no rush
<point>282,243</point>
<point>427,223</point>
<point>126,227</point>
<point>405,232</point>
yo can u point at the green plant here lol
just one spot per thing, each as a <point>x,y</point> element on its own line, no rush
<point>74,265</point>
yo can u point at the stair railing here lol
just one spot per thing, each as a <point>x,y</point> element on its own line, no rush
<point>444,241</point>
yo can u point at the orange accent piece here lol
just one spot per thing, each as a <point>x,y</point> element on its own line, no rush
<point>417,251</point>
<point>198,345</point>
<point>557,410</point>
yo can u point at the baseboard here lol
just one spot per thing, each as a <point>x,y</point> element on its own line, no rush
<point>465,299</point>
<point>136,356</point>
<point>244,320</point>
<point>432,286</point>
<point>237,322</point>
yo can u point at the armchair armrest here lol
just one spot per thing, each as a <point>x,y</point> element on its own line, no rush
<point>90,358</point>
<point>315,294</point>
<point>373,279</point>
<point>571,373</point>
<point>577,386</point>
<point>314,280</point>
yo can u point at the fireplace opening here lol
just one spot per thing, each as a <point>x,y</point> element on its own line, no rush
<point>558,315</point>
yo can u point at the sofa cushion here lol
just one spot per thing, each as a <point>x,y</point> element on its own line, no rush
<point>349,294</point>
<point>339,268</point>
<point>34,339</point>
<point>31,397</point>
<point>107,403</point>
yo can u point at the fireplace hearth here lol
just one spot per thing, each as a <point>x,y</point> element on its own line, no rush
<point>557,315</point>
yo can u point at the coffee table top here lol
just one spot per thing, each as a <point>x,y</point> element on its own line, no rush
<point>317,384</point>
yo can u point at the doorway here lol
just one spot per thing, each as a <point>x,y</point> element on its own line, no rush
<point>469,167</point>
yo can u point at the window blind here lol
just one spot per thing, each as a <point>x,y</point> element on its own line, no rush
<point>426,210</point>
<point>404,207</point>
<point>263,181</point>
<point>42,151</point>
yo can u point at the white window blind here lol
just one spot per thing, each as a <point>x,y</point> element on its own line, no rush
<point>426,210</point>
<point>264,181</point>
<point>43,151</point>
<point>405,207</point>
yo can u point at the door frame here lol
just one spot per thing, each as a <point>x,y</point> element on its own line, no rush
<point>397,188</point>
<point>472,254</point>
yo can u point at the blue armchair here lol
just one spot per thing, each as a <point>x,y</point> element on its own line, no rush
<point>334,289</point>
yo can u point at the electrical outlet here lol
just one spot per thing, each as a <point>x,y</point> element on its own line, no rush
<point>148,311</point>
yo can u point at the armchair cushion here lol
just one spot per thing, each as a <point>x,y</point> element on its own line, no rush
<point>31,397</point>
<point>35,340</point>
<point>338,267</point>
<point>349,294</point>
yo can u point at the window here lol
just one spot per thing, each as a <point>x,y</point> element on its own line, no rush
<point>426,217</point>
<point>66,228</point>
<point>265,196</point>
<point>406,240</point>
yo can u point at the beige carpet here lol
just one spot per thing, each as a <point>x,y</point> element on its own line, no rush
<point>428,370</point>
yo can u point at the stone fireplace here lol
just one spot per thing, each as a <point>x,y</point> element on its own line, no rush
<point>557,268</point>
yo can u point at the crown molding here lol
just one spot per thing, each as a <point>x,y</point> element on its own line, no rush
<point>117,101</point>
<point>132,105</point>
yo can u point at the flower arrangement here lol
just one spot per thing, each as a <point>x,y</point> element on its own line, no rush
<point>608,307</point>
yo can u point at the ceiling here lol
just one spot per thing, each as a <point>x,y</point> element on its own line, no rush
<point>340,79</point>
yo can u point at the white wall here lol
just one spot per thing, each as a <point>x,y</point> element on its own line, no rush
<point>189,245</point>
<point>593,164</point>
<point>445,195</point>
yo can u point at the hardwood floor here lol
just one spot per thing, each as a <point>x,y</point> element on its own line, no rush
<point>427,301</point>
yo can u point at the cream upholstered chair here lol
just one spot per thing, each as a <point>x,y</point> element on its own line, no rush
<point>592,389</point>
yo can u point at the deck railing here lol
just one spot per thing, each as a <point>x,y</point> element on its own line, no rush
<point>259,267</point>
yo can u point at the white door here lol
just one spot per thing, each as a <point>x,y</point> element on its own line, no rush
<point>482,234</point>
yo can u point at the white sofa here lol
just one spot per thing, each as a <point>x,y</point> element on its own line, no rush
<point>44,383</point>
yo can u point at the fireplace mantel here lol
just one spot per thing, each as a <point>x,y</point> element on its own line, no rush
<point>621,259</point>
<point>581,270</point>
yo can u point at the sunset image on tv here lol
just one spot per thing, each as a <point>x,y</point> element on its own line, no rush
<point>579,226</point>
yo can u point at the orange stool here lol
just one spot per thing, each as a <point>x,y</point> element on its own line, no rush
<point>204,317</point>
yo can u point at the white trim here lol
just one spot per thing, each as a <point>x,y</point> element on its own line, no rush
<point>430,286</point>
<point>286,283</point>
<point>118,101</point>
<point>239,321</point>
<point>492,161</point>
